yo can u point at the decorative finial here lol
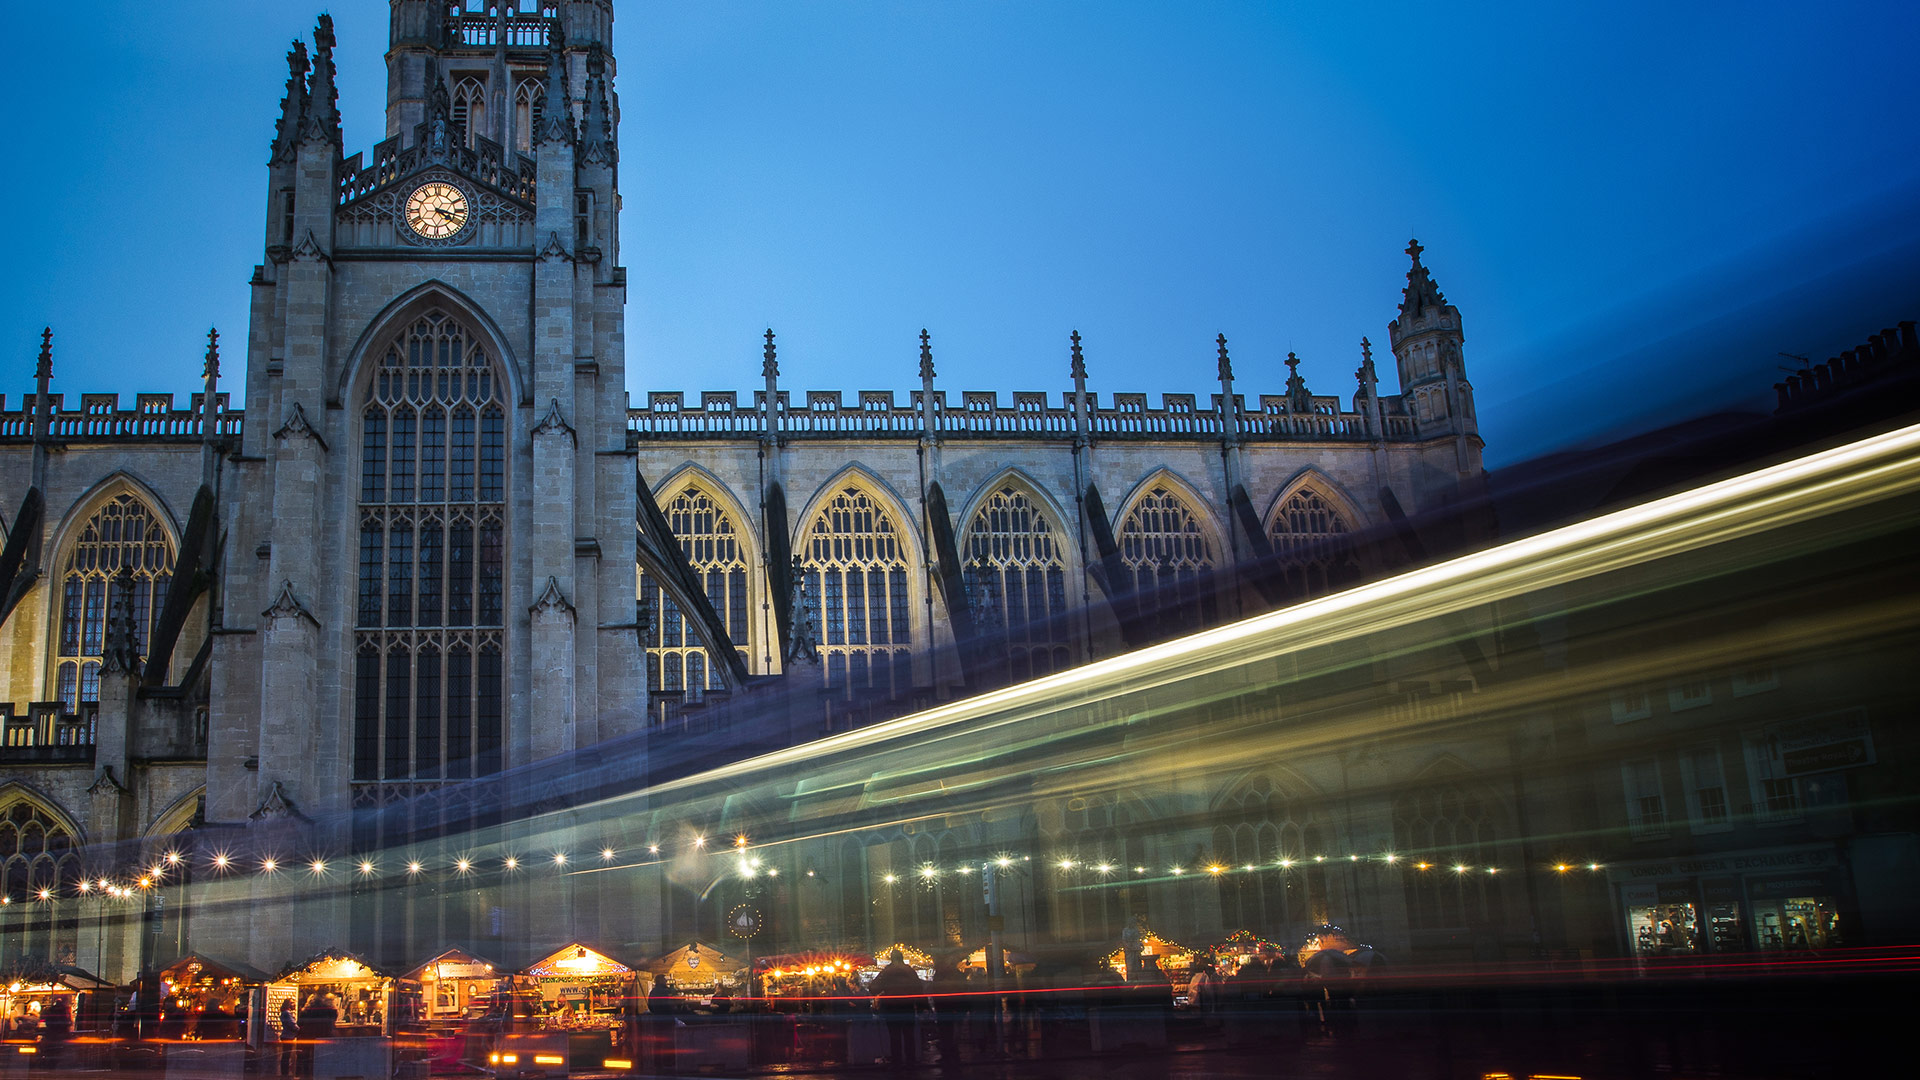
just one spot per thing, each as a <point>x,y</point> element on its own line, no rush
<point>1293,364</point>
<point>211,371</point>
<point>926,357</point>
<point>1226,363</point>
<point>1366,350</point>
<point>44,371</point>
<point>1299,398</point>
<point>1364,375</point>
<point>1414,249</point>
<point>770,363</point>
<point>1079,370</point>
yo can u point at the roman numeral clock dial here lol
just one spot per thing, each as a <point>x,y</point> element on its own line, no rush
<point>437,210</point>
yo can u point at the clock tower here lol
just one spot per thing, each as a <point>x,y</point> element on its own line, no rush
<point>429,555</point>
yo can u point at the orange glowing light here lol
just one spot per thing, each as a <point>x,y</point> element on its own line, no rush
<point>616,1063</point>
<point>549,1059</point>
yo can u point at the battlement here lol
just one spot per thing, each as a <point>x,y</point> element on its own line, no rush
<point>486,161</point>
<point>1030,415</point>
<point>153,418</point>
<point>1890,353</point>
<point>47,734</point>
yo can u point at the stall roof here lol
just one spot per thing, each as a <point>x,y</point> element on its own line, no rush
<point>230,968</point>
<point>454,964</point>
<point>39,973</point>
<point>576,959</point>
<point>329,964</point>
<point>692,963</point>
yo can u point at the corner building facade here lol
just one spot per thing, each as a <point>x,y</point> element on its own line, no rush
<point>422,545</point>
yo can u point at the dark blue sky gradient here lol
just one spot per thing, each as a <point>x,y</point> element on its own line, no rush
<point>1635,207</point>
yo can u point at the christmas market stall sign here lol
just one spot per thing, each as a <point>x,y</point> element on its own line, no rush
<point>575,989</point>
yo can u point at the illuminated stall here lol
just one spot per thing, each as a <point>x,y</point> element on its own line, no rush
<point>918,959</point>
<point>31,993</point>
<point>453,987</point>
<point>210,993</point>
<point>791,981</point>
<point>574,989</point>
<point>355,995</point>
<point>1233,951</point>
<point>697,971</point>
<point>1175,959</point>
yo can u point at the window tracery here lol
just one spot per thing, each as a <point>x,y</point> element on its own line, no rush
<point>469,109</point>
<point>676,657</point>
<point>1016,579</point>
<point>1454,827</point>
<point>1310,543</point>
<point>428,670</point>
<point>529,102</point>
<point>855,568</point>
<point>39,851</point>
<point>123,533</point>
<point>1165,549</point>
<point>1259,826</point>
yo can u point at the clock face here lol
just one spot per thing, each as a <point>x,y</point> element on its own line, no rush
<point>437,210</point>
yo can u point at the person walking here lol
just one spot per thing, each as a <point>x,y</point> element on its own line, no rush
<point>898,996</point>
<point>289,1032</point>
<point>950,1008</point>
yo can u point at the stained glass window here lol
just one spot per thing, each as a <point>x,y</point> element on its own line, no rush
<point>432,560</point>
<point>124,532</point>
<point>1165,549</point>
<point>1017,582</point>
<point>676,657</point>
<point>1311,545</point>
<point>855,570</point>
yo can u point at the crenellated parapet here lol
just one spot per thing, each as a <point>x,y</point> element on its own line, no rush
<point>1029,415</point>
<point>153,418</point>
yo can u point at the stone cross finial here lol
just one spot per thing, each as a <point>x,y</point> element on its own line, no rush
<point>211,370</point>
<point>926,357</point>
<point>1414,249</point>
<point>1226,362</point>
<point>770,363</point>
<point>1299,398</point>
<point>1079,370</point>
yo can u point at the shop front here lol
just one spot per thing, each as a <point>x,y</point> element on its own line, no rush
<point>1777,898</point>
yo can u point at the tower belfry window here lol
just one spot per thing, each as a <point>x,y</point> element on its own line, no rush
<point>430,617</point>
<point>125,534</point>
<point>470,109</point>
<point>529,104</point>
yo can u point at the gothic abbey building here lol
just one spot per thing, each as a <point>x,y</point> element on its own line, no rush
<point>430,538</point>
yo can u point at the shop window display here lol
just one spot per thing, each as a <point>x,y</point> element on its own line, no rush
<point>1797,922</point>
<point>1664,929</point>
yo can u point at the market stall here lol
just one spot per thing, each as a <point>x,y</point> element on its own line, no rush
<point>808,981</point>
<point>574,989</point>
<point>208,997</point>
<point>452,988</point>
<point>335,994</point>
<point>918,959</point>
<point>1016,962</point>
<point>1232,952</point>
<point>1174,959</point>
<point>34,994</point>
<point>696,971</point>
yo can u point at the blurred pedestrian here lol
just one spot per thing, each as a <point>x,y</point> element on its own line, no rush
<point>898,996</point>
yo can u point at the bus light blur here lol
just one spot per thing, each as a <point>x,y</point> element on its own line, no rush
<point>616,1063</point>
<point>549,1059</point>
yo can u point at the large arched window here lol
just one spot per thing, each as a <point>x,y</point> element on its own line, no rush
<point>427,670</point>
<point>1017,581</point>
<point>1450,829</point>
<point>1165,548</point>
<point>38,855</point>
<point>470,109</point>
<point>124,533</point>
<point>855,568</point>
<point>1311,544</point>
<point>676,657</point>
<point>1258,826</point>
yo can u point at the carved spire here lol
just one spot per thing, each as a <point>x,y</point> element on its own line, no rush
<point>596,125</point>
<point>926,357</point>
<point>1365,374</point>
<point>323,97</point>
<point>1299,398</point>
<point>556,116</point>
<point>210,370</point>
<point>293,107</point>
<point>1421,293</point>
<point>1078,369</point>
<point>1226,362</point>
<point>770,361</point>
<point>42,376</point>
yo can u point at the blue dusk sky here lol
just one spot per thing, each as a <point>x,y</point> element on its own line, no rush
<point>1635,206</point>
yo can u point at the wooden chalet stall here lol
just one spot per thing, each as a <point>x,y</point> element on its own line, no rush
<point>335,986</point>
<point>210,994</point>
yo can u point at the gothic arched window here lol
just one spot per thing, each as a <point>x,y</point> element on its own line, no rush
<point>1017,581</point>
<point>123,533</point>
<point>427,671</point>
<point>1311,544</point>
<point>855,570</point>
<point>39,855</point>
<point>529,101</point>
<point>1258,826</point>
<point>470,109</point>
<point>1166,551</point>
<point>1447,826</point>
<point>676,657</point>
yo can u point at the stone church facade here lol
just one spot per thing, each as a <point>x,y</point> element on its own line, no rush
<point>428,538</point>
